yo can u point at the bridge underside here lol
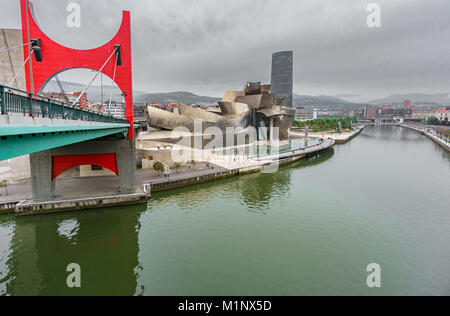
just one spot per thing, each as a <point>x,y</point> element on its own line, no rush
<point>117,155</point>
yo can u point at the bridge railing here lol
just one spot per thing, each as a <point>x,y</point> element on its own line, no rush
<point>14,101</point>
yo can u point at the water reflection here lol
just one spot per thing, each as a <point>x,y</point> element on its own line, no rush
<point>391,134</point>
<point>255,191</point>
<point>69,229</point>
<point>258,191</point>
<point>6,234</point>
<point>445,154</point>
<point>104,243</point>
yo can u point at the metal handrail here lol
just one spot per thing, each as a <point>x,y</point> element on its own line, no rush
<point>17,101</point>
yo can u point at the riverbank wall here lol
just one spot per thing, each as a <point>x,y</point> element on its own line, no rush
<point>158,185</point>
<point>427,132</point>
<point>35,208</point>
<point>8,205</point>
<point>25,206</point>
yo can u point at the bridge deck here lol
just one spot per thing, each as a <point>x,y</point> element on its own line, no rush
<point>30,123</point>
<point>14,101</point>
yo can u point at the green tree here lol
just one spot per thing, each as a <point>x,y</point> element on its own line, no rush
<point>432,120</point>
<point>158,166</point>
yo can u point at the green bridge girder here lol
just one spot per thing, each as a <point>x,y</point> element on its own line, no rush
<point>16,141</point>
<point>22,134</point>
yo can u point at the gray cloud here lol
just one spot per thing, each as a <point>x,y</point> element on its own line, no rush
<point>207,46</point>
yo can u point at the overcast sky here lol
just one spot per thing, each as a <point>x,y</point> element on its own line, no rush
<point>209,46</point>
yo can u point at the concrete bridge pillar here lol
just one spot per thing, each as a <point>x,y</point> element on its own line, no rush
<point>43,186</point>
<point>126,163</point>
<point>46,165</point>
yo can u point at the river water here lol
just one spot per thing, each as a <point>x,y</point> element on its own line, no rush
<point>310,229</point>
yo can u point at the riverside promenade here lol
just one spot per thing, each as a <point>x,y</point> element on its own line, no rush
<point>340,138</point>
<point>430,133</point>
<point>224,167</point>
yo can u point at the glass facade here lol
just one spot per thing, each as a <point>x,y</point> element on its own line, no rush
<point>282,76</point>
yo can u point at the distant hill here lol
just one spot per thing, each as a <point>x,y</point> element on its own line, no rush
<point>94,92</point>
<point>419,99</point>
<point>321,101</point>
<point>299,100</point>
<point>353,98</point>
<point>325,102</point>
<point>176,97</point>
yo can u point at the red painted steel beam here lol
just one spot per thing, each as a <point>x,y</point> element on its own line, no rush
<point>63,163</point>
<point>57,58</point>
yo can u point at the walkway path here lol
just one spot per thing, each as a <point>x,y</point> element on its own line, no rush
<point>228,166</point>
<point>430,133</point>
<point>339,138</point>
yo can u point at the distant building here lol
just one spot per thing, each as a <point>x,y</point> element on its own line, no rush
<point>373,111</point>
<point>423,114</point>
<point>83,102</point>
<point>370,112</point>
<point>71,96</point>
<point>395,114</point>
<point>172,108</point>
<point>283,76</point>
<point>407,104</point>
<point>139,110</point>
<point>315,114</point>
<point>116,110</point>
<point>441,115</point>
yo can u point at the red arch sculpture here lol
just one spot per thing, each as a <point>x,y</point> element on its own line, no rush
<point>57,58</point>
<point>63,163</point>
